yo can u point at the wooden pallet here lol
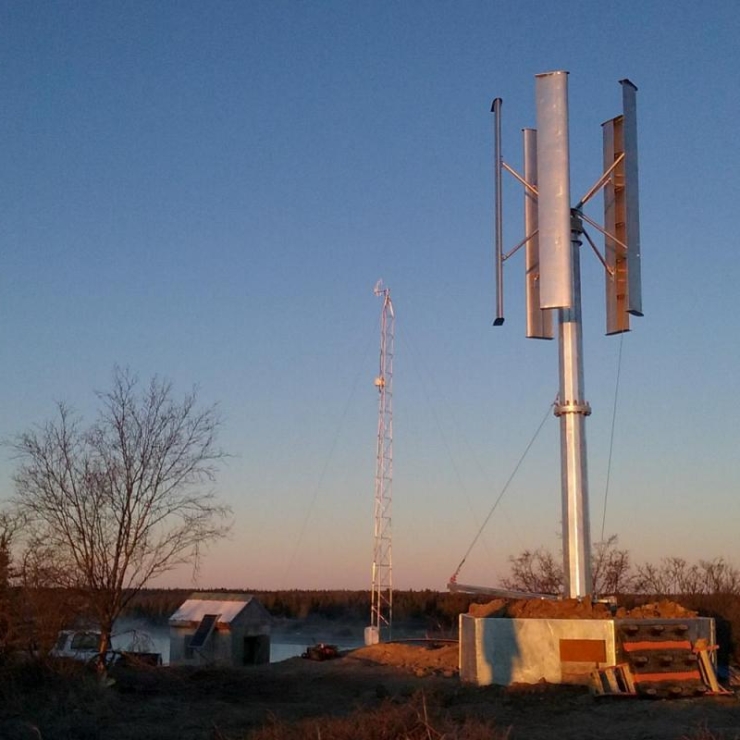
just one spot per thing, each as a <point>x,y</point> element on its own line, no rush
<point>706,667</point>
<point>615,680</point>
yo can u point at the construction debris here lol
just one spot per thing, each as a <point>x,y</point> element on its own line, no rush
<point>660,663</point>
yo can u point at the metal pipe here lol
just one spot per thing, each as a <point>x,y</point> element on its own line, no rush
<point>553,185</point>
<point>502,593</point>
<point>599,183</point>
<point>528,185</point>
<point>539,322</point>
<point>597,253</point>
<point>604,231</point>
<point>498,210</point>
<point>572,410</point>
<point>632,200</point>
<point>524,241</point>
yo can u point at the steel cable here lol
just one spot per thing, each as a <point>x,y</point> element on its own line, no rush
<point>503,491</point>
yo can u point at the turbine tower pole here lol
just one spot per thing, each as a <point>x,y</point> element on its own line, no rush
<point>381,608</point>
<point>553,237</point>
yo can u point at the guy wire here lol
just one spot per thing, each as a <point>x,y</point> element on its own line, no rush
<point>503,491</point>
<point>611,437</point>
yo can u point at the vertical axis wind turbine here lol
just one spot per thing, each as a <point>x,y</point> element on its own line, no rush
<point>381,607</point>
<point>552,241</point>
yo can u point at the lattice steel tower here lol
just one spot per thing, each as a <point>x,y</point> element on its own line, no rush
<point>381,608</point>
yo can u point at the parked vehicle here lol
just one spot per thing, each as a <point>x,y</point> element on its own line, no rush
<point>77,644</point>
<point>321,651</point>
<point>83,645</point>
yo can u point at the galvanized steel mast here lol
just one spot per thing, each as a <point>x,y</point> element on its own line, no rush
<point>560,288</point>
<point>553,236</point>
<point>572,409</point>
<point>381,608</point>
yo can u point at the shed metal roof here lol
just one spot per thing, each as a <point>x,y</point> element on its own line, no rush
<point>194,609</point>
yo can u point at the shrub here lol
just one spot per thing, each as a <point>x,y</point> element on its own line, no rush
<point>415,719</point>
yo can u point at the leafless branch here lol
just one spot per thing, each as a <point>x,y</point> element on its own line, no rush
<point>125,499</point>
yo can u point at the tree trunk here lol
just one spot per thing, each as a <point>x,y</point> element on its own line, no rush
<point>103,647</point>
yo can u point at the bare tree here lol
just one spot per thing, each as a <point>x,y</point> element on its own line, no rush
<point>719,577</point>
<point>611,568</point>
<point>674,576</point>
<point>536,571</point>
<point>114,504</point>
<point>8,528</point>
<point>539,571</point>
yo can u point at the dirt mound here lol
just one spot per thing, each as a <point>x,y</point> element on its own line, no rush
<point>576,609</point>
<point>659,610</point>
<point>565,609</point>
<point>495,608</point>
<point>421,659</point>
<point>541,609</point>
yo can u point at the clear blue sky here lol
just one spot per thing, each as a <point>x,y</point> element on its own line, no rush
<point>209,191</point>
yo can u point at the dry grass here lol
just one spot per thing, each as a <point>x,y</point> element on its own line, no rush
<point>52,701</point>
<point>338,700</point>
<point>414,719</point>
<point>704,733</point>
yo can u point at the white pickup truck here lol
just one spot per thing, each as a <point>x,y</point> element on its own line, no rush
<point>76,644</point>
<point>82,645</point>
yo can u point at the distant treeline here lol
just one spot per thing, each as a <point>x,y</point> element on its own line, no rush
<point>432,609</point>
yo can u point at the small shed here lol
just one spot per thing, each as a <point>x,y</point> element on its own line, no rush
<point>223,628</point>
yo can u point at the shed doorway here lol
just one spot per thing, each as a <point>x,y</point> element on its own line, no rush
<point>256,650</point>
